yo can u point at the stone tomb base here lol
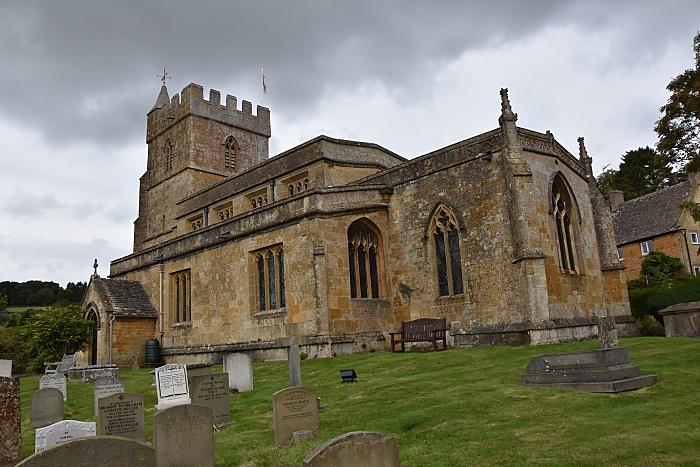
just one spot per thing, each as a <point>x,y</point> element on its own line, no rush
<point>604,370</point>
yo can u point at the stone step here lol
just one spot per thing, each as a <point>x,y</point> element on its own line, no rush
<point>583,375</point>
<point>628,384</point>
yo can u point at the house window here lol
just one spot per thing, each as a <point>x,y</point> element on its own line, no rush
<point>562,211</point>
<point>448,262</point>
<point>694,238</point>
<point>169,155</point>
<point>363,259</point>
<point>620,255</point>
<point>230,152</point>
<point>270,279</point>
<point>182,296</point>
<point>646,247</point>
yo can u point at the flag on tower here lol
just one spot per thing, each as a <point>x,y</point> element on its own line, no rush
<point>264,84</point>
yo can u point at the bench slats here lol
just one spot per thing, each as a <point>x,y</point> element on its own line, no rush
<point>420,330</point>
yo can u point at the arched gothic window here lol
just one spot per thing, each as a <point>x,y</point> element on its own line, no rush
<point>562,210</point>
<point>230,152</point>
<point>363,256</point>
<point>270,283</point>
<point>448,261</point>
<point>169,155</point>
<point>182,296</point>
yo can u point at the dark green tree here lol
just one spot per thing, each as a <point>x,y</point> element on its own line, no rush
<point>3,302</point>
<point>642,171</point>
<point>606,181</point>
<point>57,331</point>
<point>661,269</point>
<point>679,125</point>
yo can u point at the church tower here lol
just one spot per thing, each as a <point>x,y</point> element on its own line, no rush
<point>193,143</point>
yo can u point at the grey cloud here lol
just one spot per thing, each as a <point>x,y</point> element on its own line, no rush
<point>28,204</point>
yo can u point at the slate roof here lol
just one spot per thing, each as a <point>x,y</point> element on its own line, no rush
<point>124,298</point>
<point>650,215</point>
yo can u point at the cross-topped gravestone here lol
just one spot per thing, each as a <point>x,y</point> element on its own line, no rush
<point>172,385</point>
<point>10,421</point>
<point>105,387</point>
<point>61,432</point>
<point>121,415</point>
<point>294,409</point>
<point>293,358</point>
<point>47,407</point>
<point>56,381</point>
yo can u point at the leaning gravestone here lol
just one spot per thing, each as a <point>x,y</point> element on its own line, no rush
<point>5,367</point>
<point>61,432</point>
<point>10,421</point>
<point>57,381</point>
<point>172,385</point>
<point>105,387</point>
<point>239,367</point>
<point>364,448</point>
<point>294,409</point>
<point>212,391</point>
<point>184,435</point>
<point>100,451</point>
<point>121,415</point>
<point>47,407</point>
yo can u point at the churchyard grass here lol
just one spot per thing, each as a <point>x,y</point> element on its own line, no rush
<point>459,407</point>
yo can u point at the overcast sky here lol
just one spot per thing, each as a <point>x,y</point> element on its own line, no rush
<point>77,78</point>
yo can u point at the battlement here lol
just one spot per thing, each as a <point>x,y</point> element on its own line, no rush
<point>191,102</point>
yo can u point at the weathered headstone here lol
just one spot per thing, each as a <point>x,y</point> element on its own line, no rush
<point>100,451</point>
<point>212,391</point>
<point>294,409</point>
<point>121,415</point>
<point>10,421</point>
<point>5,367</point>
<point>184,435</point>
<point>364,448</point>
<point>239,367</point>
<point>61,432</point>
<point>56,381</point>
<point>172,385</point>
<point>607,332</point>
<point>105,387</point>
<point>293,358</point>
<point>47,407</point>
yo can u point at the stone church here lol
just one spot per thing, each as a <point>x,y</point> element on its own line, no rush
<point>504,234</point>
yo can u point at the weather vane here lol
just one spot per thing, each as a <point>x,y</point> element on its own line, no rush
<point>164,76</point>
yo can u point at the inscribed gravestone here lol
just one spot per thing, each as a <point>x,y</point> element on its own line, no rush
<point>212,391</point>
<point>105,387</point>
<point>56,381</point>
<point>10,421</point>
<point>101,451</point>
<point>363,448</point>
<point>47,407</point>
<point>239,367</point>
<point>184,435</point>
<point>172,385</point>
<point>5,367</point>
<point>61,432</point>
<point>121,415</point>
<point>294,409</point>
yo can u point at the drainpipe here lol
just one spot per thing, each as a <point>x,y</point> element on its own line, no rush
<point>160,305</point>
<point>111,336</point>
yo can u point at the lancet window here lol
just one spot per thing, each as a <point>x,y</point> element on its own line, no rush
<point>270,279</point>
<point>182,296</point>
<point>169,155</point>
<point>562,211</point>
<point>364,258</point>
<point>230,152</point>
<point>448,263</point>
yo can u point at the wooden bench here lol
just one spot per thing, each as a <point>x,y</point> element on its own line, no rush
<point>421,330</point>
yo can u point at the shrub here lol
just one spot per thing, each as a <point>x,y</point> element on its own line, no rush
<point>56,331</point>
<point>649,326</point>
<point>661,269</point>
<point>12,347</point>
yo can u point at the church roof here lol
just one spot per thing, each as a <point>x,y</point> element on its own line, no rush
<point>650,215</point>
<point>163,99</point>
<point>123,298</point>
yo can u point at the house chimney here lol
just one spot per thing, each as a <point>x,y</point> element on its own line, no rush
<point>617,199</point>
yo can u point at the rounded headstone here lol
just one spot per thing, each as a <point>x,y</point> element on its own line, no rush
<point>102,451</point>
<point>47,407</point>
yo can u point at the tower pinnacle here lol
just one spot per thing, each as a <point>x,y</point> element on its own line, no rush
<point>507,113</point>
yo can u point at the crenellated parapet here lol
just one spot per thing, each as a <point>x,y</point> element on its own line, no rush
<point>167,112</point>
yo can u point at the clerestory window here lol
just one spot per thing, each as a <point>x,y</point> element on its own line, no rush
<point>448,261</point>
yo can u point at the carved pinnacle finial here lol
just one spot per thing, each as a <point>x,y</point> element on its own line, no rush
<point>507,113</point>
<point>582,153</point>
<point>94,265</point>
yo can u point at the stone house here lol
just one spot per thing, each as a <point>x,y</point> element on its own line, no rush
<point>504,234</point>
<point>656,222</point>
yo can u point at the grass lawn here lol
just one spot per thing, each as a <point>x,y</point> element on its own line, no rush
<point>460,407</point>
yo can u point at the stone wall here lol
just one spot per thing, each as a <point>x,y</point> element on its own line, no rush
<point>130,336</point>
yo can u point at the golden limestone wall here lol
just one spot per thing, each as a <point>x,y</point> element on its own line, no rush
<point>130,336</point>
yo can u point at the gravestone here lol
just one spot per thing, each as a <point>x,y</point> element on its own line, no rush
<point>97,451</point>
<point>294,409</point>
<point>47,407</point>
<point>212,391</point>
<point>61,432</point>
<point>184,435</point>
<point>5,367</point>
<point>172,385</point>
<point>121,415</point>
<point>363,448</point>
<point>239,367</point>
<point>105,387</point>
<point>293,358</point>
<point>607,332</point>
<point>56,381</point>
<point>10,421</point>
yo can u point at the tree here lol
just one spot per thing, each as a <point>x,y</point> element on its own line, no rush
<point>57,331</point>
<point>606,181</point>
<point>642,171</point>
<point>661,269</point>
<point>3,302</point>
<point>679,126</point>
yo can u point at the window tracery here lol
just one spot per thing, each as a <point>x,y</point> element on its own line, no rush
<point>562,211</point>
<point>182,296</point>
<point>270,282</point>
<point>363,256</point>
<point>448,262</point>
